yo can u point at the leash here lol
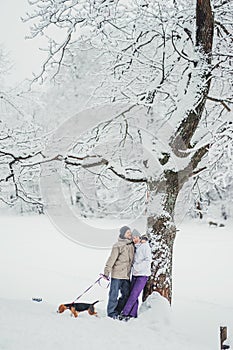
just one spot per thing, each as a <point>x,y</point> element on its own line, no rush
<point>97,281</point>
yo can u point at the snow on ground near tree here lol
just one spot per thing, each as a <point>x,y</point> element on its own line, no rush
<point>37,261</point>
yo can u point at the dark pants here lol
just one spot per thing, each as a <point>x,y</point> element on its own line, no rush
<point>115,305</point>
<point>137,285</point>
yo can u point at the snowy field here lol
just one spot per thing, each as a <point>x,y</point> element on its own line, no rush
<point>37,261</point>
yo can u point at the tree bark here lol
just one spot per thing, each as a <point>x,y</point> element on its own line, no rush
<point>162,233</point>
<point>162,251</point>
<point>204,27</point>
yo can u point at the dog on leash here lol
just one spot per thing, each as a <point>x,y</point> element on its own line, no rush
<point>76,308</point>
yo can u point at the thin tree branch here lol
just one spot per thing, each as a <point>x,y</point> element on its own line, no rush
<point>214,99</point>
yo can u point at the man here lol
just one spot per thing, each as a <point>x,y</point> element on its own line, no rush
<point>119,266</point>
<point>141,270</point>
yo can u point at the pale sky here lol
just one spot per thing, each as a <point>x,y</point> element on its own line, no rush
<point>24,54</point>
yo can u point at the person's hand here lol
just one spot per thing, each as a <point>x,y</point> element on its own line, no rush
<point>105,277</point>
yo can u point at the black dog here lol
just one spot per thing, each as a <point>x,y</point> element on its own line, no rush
<point>75,308</point>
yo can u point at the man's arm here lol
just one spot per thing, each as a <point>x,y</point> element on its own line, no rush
<point>111,261</point>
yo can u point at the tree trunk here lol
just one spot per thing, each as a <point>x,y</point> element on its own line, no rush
<point>161,227</point>
<point>162,233</point>
<point>204,27</point>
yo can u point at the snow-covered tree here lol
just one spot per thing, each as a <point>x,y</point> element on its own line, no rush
<point>171,58</point>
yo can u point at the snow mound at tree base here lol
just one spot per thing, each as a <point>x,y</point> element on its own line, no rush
<point>156,311</point>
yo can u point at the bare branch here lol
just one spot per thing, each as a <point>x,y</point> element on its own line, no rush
<point>214,99</point>
<point>179,53</point>
<point>124,177</point>
<point>226,31</point>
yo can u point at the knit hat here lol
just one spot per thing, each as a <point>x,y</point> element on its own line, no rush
<point>135,233</point>
<point>123,230</point>
<point>145,237</point>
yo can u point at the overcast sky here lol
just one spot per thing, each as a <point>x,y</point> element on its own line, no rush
<point>24,54</point>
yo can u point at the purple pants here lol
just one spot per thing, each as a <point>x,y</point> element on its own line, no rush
<point>137,285</point>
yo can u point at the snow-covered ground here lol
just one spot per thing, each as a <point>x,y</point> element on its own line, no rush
<point>37,261</point>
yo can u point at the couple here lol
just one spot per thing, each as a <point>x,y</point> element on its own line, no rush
<point>130,255</point>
